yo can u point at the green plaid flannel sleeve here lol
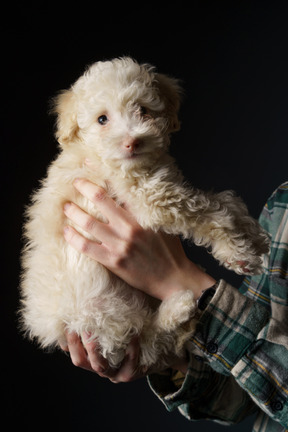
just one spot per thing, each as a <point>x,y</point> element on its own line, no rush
<point>239,352</point>
<point>208,391</point>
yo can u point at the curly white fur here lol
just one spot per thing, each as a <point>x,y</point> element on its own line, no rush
<point>120,114</point>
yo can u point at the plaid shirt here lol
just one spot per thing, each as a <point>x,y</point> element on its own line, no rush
<point>239,352</point>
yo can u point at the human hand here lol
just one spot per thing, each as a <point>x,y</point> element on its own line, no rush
<point>152,262</point>
<point>86,354</point>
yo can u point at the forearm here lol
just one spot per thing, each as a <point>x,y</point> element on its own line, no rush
<point>239,337</point>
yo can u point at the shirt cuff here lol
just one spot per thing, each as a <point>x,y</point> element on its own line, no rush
<point>176,390</point>
<point>230,323</point>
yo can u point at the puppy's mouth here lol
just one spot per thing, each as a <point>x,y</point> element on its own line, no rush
<point>125,157</point>
<point>133,155</point>
<point>139,156</point>
<point>135,159</point>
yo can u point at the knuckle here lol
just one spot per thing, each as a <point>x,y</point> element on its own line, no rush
<point>121,256</point>
<point>89,223</point>
<point>126,247</point>
<point>132,237</point>
<point>98,369</point>
<point>99,194</point>
<point>133,233</point>
<point>71,337</point>
<point>114,381</point>
<point>84,246</point>
<point>76,362</point>
<point>126,377</point>
<point>115,261</point>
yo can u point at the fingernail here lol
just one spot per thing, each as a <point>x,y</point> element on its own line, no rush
<point>76,180</point>
<point>66,229</point>
<point>67,206</point>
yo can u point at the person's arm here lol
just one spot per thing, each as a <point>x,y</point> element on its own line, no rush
<point>158,265</point>
<point>243,338</point>
<point>240,340</point>
<point>235,334</point>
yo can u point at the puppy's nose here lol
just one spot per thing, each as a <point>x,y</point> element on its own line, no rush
<point>130,144</point>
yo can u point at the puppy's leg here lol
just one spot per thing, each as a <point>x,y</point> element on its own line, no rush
<point>236,239</point>
<point>171,326</point>
<point>217,221</point>
<point>241,242</point>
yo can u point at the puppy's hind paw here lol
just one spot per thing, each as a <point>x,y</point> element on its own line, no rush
<point>177,309</point>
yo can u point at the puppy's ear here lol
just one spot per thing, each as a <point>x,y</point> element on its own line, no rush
<point>171,92</point>
<point>64,105</point>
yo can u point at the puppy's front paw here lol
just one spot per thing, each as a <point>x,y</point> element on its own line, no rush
<point>245,267</point>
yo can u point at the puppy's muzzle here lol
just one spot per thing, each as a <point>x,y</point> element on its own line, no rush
<point>131,144</point>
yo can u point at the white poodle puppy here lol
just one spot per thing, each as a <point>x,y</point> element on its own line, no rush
<point>120,115</point>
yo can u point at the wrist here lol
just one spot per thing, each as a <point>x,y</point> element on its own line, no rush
<point>206,296</point>
<point>189,277</point>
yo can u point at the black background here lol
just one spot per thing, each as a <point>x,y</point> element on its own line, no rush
<point>232,59</point>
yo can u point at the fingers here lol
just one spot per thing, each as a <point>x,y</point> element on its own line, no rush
<point>97,362</point>
<point>98,196</point>
<point>87,222</point>
<point>110,240</point>
<point>85,353</point>
<point>83,245</point>
<point>129,370</point>
<point>77,352</point>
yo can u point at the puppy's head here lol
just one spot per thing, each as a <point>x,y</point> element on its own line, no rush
<point>119,111</point>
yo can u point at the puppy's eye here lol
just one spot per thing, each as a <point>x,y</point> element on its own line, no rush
<point>143,111</point>
<point>103,120</point>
